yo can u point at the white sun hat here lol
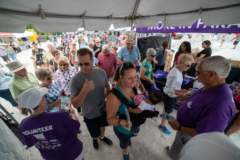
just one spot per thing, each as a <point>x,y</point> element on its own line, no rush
<point>31,98</point>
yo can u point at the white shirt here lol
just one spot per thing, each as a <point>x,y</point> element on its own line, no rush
<point>197,84</point>
<point>210,146</point>
<point>2,52</point>
<point>174,79</point>
<point>144,106</point>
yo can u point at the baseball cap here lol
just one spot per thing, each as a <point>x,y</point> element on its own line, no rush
<point>31,98</point>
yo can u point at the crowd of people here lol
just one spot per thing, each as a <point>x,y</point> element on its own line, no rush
<point>105,88</point>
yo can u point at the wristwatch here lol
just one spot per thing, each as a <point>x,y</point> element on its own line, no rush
<point>179,128</point>
<point>118,122</point>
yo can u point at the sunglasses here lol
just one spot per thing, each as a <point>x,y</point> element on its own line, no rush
<point>57,54</point>
<point>187,65</point>
<point>63,64</point>
<point>126,64</point>
<point>152,55</point>
<point>86,64</point>
<point>183,46</point>
<point>49,78</point>
<point>97,42</point>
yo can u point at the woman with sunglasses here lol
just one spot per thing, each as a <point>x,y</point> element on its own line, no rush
<point>126,78</point>
<point>146,68</point>
<point>174,80</point>
<point>53,134</point>
<point>53,64</point>
<point>74,58</point>
<point>185,48</point>
<point>64,74</point>
<point>54,91</point>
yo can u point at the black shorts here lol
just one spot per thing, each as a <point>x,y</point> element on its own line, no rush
<point>94,125</point>
<point>235,42</point>
<point>169,103</point>
<point>5,58</point>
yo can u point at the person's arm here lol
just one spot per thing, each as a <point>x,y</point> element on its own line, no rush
<point>142,72</point>
<point>79,99</point>
<point>51,106</point>
<point>51,67</point>
<point>72,114</point>
<point>139,59</point>
<point>96,50</point>
<point>189,131</point>
<point>234,128</point>
<point>201,57</point>
<point>135,110</point>
<point>112,106</point>
<point>120,61</point>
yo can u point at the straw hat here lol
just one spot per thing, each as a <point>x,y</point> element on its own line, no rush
<point>15,66</point>
<point>129,39</point>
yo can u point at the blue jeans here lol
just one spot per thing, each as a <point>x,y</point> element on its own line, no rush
<point>6,94</point>
<point>13,56</point>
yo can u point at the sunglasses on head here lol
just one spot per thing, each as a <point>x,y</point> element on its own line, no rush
<point>152,55</point>
<point>126,64</point>
<point>86,64</point>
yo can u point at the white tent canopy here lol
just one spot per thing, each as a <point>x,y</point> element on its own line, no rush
<point>25,34</point>
<point>62,15</point>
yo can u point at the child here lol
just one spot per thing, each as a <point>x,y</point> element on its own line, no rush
<point>145,105</point>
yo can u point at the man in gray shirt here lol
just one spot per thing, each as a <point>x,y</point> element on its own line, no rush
<point>87,90</point>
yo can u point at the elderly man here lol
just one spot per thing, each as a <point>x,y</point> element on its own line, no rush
<point>91,45</point>
<point>107,62</point>
<point>129,52</point>
<point>209,109</point>
<point>48,55</point>
<point>22,80</point>
<point>87,90</point>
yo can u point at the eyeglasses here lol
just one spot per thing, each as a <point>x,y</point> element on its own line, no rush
<point>200,72</point>
<point>187,65</point>
<point>86,64</point>
<point>126,64</point>
<point>49,78</point>
<point>62,64</point>
<point>57,54</point>
<point>152,55</point>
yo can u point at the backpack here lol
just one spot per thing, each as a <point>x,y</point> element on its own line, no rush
<point>136,119</point>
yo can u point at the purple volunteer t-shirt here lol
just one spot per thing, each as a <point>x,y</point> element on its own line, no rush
<point>54,134</point>
<point>208,111</point>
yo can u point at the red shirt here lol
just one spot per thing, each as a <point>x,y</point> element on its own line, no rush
<point>107,63</point>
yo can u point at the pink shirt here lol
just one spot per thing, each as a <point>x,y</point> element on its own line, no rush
<point>178,58</point>
<point>107,63</point>
<point>63,78</point>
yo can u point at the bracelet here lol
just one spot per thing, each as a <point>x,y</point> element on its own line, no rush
<point>118,122</point>
<point>179,128</point>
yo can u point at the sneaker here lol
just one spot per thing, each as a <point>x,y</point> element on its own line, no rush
<point>95,143</point>
<point>164,129</point>
<point>106,140</point>
<point>126,157</point>
<point>79,131</point>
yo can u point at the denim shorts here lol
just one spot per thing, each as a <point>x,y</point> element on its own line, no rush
<point>169,103</point>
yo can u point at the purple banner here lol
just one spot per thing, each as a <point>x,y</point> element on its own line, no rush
<point>197,27</point>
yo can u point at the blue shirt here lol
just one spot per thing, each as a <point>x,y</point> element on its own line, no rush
<point>160,57</point>
<point>125,55</point>
<point>95,62</point>
<point>121,110</point>
<point>53,95</point>
<point>83,45</point>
